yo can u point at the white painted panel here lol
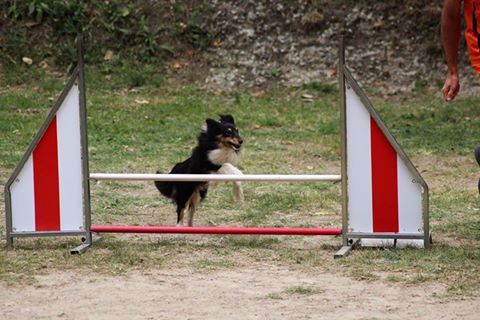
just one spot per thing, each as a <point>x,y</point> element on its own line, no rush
<point>401,243</point>
<point>70,162</point>
<point>23,200</point>
<point>409,201</point>
<point>359,165</point>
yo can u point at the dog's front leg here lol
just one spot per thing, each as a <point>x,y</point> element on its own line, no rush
<point>228,168</point>
<point>238,191</point>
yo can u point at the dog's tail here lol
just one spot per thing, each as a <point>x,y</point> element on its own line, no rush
<point>165,188</point>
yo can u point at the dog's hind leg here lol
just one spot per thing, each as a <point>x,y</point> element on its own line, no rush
<point>192,206</point>
<point>182,198</point>
<point>228,168</point>
<point>180,215</point>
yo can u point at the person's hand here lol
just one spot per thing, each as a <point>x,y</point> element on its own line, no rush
<point>451,87</point>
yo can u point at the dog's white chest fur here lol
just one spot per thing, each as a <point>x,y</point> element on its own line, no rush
<point>223,155</point>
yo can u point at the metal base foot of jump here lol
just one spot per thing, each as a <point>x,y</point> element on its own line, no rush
<point>86,245</point>
<point>345,250</point>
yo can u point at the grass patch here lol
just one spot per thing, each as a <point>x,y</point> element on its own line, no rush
<point>283,134</point>
<point>213,264</point>
<point>300,290</point>
<point>294,290</point>
<point>363,275</point>
<point>393,278</point>
<point>251,242</point>
<point>441,263</point>
<point>275,296</point>
<point>425,126</point>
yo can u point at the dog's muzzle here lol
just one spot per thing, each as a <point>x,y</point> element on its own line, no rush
<point>235,144</point>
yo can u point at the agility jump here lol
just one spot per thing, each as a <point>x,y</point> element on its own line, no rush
<point>384,198</point>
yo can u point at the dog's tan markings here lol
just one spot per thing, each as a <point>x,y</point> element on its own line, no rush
<point>233,143</point>
<point>180,220</point>
<point>192,206</point>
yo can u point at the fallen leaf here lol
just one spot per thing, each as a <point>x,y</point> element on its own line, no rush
<point>292,94</point>
<point>31,23</point>
<point>216,43</point>
<point>307,97</point>
<point>288,142</point>
<point>109,55</point>
<point>259,94</point>
<point>57,74</point>
<point>257,126</point>
<point>142,101</point>
<point>175,65</point>
<point>43,64</point>
<point>128,148</point>
<point>331,73</point>
<point>27,60</point>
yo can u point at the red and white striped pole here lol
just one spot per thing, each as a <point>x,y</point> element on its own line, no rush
<point>47,194</point>
<point>386,194</point>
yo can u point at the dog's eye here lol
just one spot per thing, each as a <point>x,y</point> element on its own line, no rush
<point>229,132</point>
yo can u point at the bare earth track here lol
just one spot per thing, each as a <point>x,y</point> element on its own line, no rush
<point>211,278</point>
<point>256,292</point>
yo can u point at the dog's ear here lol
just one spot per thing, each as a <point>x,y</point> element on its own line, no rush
<point>212,125</point>
<point>227,119</point>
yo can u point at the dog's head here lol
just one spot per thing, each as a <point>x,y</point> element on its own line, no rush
<point>225,131</point>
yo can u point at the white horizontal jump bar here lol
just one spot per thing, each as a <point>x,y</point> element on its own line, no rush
<point>214,177</point>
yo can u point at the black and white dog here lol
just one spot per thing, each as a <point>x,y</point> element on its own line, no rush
<point>217,151</point>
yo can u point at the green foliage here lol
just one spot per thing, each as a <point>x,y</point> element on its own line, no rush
<point>15,43</point>
<point>140,30</point>
<point>300,290</point>
<point>324,88</point>
<point>19,10</point>
<point>67,16</point>
<point>14,74</point>
<point>427,126</point>
<point>127,73</point>
<point>194,33</point>
<point>420,84</point>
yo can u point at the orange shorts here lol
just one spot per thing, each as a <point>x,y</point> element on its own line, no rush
<point>471,10</point>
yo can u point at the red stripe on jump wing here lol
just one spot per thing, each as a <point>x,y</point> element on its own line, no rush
<point>45,181</point>
<point>384,182</point>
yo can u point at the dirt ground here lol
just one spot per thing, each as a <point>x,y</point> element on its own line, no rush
<point>254,292</point>
<point>252,288</point>
<point>249,289</point>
